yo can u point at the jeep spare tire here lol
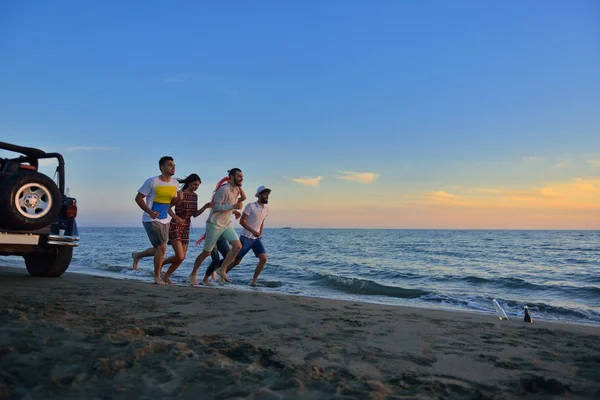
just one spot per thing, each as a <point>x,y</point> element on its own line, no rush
<point>30,200</point>
<point>3,177</point>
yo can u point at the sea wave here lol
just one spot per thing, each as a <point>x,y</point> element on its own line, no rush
<point>521,284</point>
<point>514,309</point>
<point>365,286</point>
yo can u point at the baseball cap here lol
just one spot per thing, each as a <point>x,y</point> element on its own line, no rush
<point>261,189</point>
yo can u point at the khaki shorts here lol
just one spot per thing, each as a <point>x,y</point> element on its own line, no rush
<point>158,233</point>
<point>214,232</point>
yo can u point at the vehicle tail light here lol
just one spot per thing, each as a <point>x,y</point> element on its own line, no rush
<point>71,212</point>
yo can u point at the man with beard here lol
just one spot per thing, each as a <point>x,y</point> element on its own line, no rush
<point>160,193</point>
<point>218,224</point>
<point>253,221</point>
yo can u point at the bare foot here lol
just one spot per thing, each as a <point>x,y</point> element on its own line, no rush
<point>193,280</point>
<point>205,282</point>
<point>159,281</point>
<point>223,275</point>
<point>135,260</point>
<point>168,281</point>
<point>214,276</point>
<point>253,283</point>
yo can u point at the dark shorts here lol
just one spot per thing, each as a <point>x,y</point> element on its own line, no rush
<point>158,233</point>
<point>254,244</point>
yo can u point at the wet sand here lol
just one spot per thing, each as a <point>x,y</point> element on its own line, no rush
<point>81,336</point>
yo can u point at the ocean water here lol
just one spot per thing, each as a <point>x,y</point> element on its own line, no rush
<point>555,273</point>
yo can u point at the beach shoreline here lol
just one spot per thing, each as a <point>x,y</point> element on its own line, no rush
<point>87,336</point>
<point>244,287</point>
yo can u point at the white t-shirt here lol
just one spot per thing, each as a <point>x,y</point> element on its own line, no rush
<point>158,197</point>
<point>256,214</point>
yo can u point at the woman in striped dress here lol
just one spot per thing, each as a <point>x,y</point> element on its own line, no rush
<point>179,228</point>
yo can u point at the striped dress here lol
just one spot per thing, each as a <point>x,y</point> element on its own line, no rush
<point>184,210</point>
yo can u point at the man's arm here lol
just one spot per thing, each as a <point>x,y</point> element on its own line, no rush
<point>261,228</point>
<point>246,226</point>
<point>242,195</point>
<point>220,198</point>
<point>139,199</point>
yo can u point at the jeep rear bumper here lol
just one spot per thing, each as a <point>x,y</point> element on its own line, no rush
<point>61,240</point>
<point>32,239</point>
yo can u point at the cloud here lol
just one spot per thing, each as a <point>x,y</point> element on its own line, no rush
<point>308,181</point>
<point>441,196</point>
<point>595,163</point>
<point>361,177</point>
<point>575,194</point>
<point>560,165</point>
<point>558,204</point>
<point>88,148</point>
<point>510,193</point>
<point>176,78</point>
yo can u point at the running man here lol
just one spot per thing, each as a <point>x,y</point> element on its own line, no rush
<point>160,194</point>
<point>253,221</point>
<point>226,199</point>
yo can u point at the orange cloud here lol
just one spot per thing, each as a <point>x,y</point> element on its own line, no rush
<point>441,197</point>
<point>578,193</point>
<point>572,204</point>
<point>361,177</point>
<point>308,181</point>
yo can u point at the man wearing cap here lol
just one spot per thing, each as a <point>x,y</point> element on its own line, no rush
<point>253,221</point>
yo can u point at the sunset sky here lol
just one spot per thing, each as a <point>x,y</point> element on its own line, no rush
<point>383,114</point>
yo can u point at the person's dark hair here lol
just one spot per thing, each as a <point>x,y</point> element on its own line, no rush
<point>231,173</point>
<point>163,160</point>
<point>189,179</point>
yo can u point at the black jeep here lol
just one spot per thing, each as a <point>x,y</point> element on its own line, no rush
<point>37,218</point>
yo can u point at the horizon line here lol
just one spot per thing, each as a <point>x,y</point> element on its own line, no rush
<point>385,229</point>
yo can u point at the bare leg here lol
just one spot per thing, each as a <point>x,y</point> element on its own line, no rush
<point>170,260</point>
<point>137,256</point>
<point>193,276</point>
<point>262,260</point>
<point>159,254</point>
<point>236,246</point>
<point>180,252</point>
<point>235,262</point>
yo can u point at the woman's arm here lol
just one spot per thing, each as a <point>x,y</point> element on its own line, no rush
<point>204,207</point>
<point>174,216</point>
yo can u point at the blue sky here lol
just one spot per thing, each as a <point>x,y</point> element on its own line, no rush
<point>404,114</point>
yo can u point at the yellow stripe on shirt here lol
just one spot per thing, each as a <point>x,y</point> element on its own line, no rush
<point>164,194</point>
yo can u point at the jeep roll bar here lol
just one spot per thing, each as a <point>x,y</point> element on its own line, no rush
<point>33,155</point>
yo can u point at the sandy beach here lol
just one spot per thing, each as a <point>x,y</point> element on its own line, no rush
<point>82,336</point>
